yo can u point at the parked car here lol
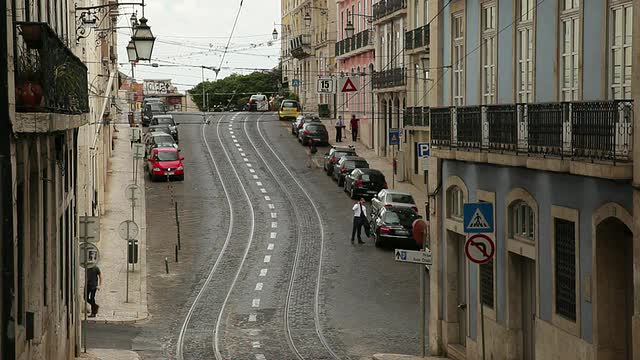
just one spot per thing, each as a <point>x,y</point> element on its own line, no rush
<point>289,109</point>
<point>364,183</point>
<point>167,122</point>
<point>151,109</point>
<point>315,131</point>
<point>158,139</point>
<point>258,102</point>
<point>394,227</point>
<point>295,124</point>
<point>301,120</point>
<point>165,162</point>
<point>345,165</point>
<point>391,198</point>
<point>334,154</point>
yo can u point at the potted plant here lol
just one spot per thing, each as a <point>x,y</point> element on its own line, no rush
<point>28,81</point>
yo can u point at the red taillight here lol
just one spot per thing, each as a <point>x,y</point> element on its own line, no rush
<point>333,160</point>
<point>306,132</point>
<point>358,182</point>
<point>388,206</point>
<point>385,230</point>
<point>385,185</point>
<point>415,208</point>
<point>344,171</point>
<point>251,101</point>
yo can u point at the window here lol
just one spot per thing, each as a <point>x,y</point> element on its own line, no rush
<point>456,200</point>
<point>522,221</point>
<point>524,48</point>
<point>486,284</point>
<point>570,50</point>
<point>488,53</point>
<point>458,59</point>
<point>620,63</point>
<point>565,268</point>
<point>426,12</point>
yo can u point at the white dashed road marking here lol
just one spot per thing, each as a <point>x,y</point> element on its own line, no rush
<point>255,176</point>
<point>273,235</point>
<point>274,224</point>
<point>233,136</point>
<point>270,247</point>
<point>255,303</point>
<point>245,159</point>
<point>259,287</point>
<point>260,357</point>
<point>263,190</point>
<point>255,344</point>
<point>271,206</point>
<point>267,258</point>
<point>240,149</point>
<point>252,317</point>
<point>242,154</point>
<point>267,198</point>
<point>258,183</point>
<point>249,165</point>
<point>263,272</point>
<point>251,170</point>
<point>274,215</point>
<point>235,140</point>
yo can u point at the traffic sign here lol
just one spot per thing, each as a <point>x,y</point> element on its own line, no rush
<point>479,248</point>
<point>422,149</point>
<point>478,218</point>
<point>412,256</point>
<point>295,82</point>
<point>92,255</point>
<point>138,151</point>
<point>394,136</point>
<point>132,192</point>
<point>128,230</point>
<point>325,86</point>
<point>89,228</point>
<point>135,134</point>
<point>347,85</point>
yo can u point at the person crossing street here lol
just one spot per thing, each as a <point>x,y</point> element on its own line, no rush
<point>359,220</point>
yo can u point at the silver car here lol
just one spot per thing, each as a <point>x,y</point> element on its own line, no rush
<point>390,199</point>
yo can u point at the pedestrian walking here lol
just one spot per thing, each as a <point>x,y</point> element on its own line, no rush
<point>359,220</point>
<point>94,281</point>
<point>339,127</point>
<point>311,152</point>
<point>354,127</point>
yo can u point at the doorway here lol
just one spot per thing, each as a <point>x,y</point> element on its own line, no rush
<point>528,306</point>
<point>457,278</point>
<point>614,290</point>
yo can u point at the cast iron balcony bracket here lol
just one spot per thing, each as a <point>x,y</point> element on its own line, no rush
<point>88,17</point>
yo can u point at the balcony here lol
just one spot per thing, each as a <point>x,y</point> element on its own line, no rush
<point>588,138</point>
<point>49,78</point>
<point>417,38</point>
<point>301,46</point>
<point>416,116</point>
<point>384,8</point>
<point>357,44</point>
<point>389,78</point>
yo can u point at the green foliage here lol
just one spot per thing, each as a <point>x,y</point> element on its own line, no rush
<point>222,91</point>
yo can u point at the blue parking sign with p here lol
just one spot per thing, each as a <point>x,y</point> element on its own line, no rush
<point>423,149</point>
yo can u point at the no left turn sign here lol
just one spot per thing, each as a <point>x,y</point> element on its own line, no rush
<point>479,248</point>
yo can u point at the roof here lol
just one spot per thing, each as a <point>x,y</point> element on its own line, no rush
<point>396,192</point>
<point>371,171</point>
<point>342,148</point>
<point>354,158</point>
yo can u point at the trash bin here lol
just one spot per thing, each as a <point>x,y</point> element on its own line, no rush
<point>323,111</point>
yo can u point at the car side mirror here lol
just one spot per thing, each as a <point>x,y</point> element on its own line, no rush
<point>181,158</point>
<point>150,159</point>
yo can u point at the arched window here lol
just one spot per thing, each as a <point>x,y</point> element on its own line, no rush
<point>522,221</point>
<point>455,202</point>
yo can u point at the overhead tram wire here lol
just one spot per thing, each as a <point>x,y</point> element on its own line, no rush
<point>235,22</point>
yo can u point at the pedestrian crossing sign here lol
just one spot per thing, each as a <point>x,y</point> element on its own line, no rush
<point>478,218</point>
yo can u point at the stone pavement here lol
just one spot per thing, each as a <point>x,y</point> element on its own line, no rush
<point>404,357</point>
<point>383,164</point>
<point>113,249</point>
<point>108,354</point>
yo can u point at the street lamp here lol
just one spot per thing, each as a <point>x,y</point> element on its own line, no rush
<point>275,34</point>
<point>307,19</point>
<point>349,28</point>
<point>131,51</point>
<point>143,40</point>
<point>134,20</point>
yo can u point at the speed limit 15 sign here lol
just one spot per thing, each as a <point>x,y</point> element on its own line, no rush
<point>325,86</point>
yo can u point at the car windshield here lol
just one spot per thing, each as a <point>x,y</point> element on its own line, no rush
<point>164,121</point>
<point>402,198</point>
<point>157,107</point>
<point>168,139</point>
<point>356,164</point>
<point>405,218</point>
<point>315,128</point>
<point>167,156</point>
<point>258,97</point>
<point>289,105</point>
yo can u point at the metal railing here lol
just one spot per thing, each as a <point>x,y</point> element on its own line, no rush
<point>387,7</point>
<point>417,38</point>
<point>416,116</point>
<point>594,130</point>
<point>48,76</point>
<point>357,41</point>
<point>300,46</point>
<point>389,78</point>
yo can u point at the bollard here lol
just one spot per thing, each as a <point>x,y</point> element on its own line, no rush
<point>166,264</point>
<point>176,253</point>
<point>178,225</point>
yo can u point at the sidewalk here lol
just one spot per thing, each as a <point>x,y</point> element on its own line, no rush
<point>405,357</point>
<point>109,354</point>
<point>113,249</point>
<point>376,162</point>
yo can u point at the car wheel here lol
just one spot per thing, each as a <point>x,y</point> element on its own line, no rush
<point>377,241</point>
<point>340,182</point>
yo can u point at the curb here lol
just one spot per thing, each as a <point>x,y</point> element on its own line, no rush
<point>116,321</point>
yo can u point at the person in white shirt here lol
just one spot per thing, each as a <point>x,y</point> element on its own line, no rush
<point>359,219</point>
<point>339,127</point>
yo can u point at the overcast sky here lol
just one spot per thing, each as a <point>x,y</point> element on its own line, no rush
<point>195,32</point>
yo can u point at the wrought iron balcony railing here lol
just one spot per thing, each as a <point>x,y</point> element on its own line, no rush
<point>389,78</point>
<point>387,7</point>
<point>49,77</point>
<point>417,38</point>
<point>357,41</point>
<point>595,130</point>
<point>416,116</point>
<point>300,46</point>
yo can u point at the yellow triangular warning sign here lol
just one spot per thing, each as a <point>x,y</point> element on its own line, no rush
<point>349,86</point>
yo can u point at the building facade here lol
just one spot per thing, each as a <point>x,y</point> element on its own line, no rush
<point>548,140</point>
<point>58,88</point>
<point>355,58</point>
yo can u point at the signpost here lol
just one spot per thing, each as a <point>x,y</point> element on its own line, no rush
<point>128,230</point>
<point>394,139</point>
<point>325,85</point>
<point>479,248</point>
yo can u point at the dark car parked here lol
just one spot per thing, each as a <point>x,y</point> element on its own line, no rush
<point>345,165</point>
<point>162,122</point>
<point>151,109</point>
<point>334,154</point>
<point>364,183</point>
<point>394,227</point>
<point>158,139</point>
<point>299,122</point>
<point>313,131</point>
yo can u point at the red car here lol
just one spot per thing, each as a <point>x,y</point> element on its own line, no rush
<point>165,162</point>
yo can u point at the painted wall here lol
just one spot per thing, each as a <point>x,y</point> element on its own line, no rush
<point>583,193</point>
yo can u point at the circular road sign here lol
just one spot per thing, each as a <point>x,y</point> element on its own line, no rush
<point>132,192</point>
<point>92,255</point>
<point>420,229</point>
<point>479,248</point>
<point>128,230</point>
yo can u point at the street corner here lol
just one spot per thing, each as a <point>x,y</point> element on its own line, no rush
<point>108,354</point>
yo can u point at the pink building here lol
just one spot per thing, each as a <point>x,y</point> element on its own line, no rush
<point>355,58</point>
